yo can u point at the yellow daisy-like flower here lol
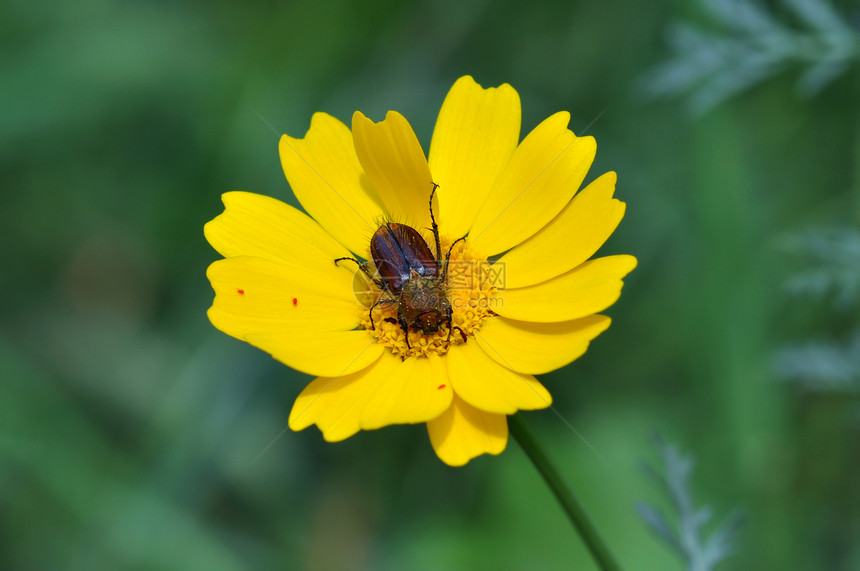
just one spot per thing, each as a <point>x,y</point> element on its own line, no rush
<point>532,310</point>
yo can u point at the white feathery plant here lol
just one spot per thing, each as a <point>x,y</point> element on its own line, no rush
<point>687,538</point>
<point>751,46</point>
<point>832,273</point>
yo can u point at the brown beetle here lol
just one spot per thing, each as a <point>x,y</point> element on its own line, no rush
<point>412,275</point>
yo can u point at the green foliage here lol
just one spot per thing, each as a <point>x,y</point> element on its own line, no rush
<point>130,428</point>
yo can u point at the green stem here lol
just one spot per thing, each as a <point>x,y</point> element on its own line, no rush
<point>565,496</point>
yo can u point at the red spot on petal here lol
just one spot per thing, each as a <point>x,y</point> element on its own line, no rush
<point>440,387</point>
<point>295,301</point>
<point>240,291</point>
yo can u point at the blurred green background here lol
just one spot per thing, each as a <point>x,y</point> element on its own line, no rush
<point>131,430</point>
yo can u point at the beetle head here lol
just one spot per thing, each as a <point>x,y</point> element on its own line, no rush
<point>429,322</point>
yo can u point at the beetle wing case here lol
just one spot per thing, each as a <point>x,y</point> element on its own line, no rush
<point>397,251</point>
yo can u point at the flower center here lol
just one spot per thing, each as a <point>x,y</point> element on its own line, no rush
<point>468,289</point>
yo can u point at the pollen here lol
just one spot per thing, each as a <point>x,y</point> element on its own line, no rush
<point>470,288</point>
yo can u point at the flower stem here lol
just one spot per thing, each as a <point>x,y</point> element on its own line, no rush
<point>565,496</point>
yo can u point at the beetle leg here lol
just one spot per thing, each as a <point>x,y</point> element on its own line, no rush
<point>435,228</point>
<point>363,268</point>
<point>372,307</point>
<point>405,329</point>
<point>448,259</point>
<point>451,327</point>
<point>449,317</point>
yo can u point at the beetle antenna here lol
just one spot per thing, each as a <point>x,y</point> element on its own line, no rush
<point>448,258</point>
<point>435,227</point>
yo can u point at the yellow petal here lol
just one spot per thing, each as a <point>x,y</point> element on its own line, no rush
<point>571,238</point>
<point>254,295</point>
<point>392,157</point>
<point>463,432</point>
<point>588,288</point>
<point>263,227</point>
<point>326,353</point>
<point>302,321</point>
<point>417,391</point>
<point>485,384</point>
<point>325,175</point>
<point>538,348</point>
<point>335,403</point>
<point>543,174</point>
<point>475,135</point>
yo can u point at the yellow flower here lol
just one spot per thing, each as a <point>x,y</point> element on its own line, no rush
<point>532,310</point>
